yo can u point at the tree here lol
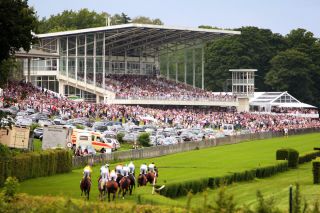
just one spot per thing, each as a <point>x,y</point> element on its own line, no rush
<point>146,20</point>
<point>120,19</point>
<point>254,48</point>
<point>291,70</point>
<point>17,21</point>
<point>72,20</point>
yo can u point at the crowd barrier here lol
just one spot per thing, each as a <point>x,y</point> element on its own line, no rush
<point>156,151</point>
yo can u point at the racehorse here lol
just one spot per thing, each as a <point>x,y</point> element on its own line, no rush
<point>132,183</point>
<point>85,186</point>
<point>151,177</point>
<point>142,180</point>
<point>112,187</point>
<point>124,186</point>
<point>102,188</point>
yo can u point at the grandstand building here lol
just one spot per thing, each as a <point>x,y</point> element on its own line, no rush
<point>95,63</point>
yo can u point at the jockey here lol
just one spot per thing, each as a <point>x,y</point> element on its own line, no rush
<point>125,171</point>
<point>119,169</point>
<point>113,175</point>
<point>104,172</point>
<point>143,169</point>
<point>87,171</point>
<point>131,168</point>
<point>151,167</point>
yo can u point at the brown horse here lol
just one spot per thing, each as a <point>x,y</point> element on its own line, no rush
<point>142,180</point>
<point>151,177</point>
<point>102,188</point>
<point>124,185</point>
<point>85,186</point>
<point>112,187</point>
<point>132,183</point>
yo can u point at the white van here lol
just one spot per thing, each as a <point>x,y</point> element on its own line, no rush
<point>227,129</point>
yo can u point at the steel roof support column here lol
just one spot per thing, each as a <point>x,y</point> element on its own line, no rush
<point>29,70</point>
<point>193,68</point>
<point>125,62</point>
<point>104,63</point>
<point>167,64</point>
<point>76,65</point>
<point>140,62</point>
<point>185,66</point>
<point>94,59</point>
<point>110,61</point>
<point>176,71</point>
<point>85,59</point>
<point>67,60</point>
<point>202,67</point>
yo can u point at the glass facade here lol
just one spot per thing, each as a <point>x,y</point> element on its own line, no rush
<point>85,57</point>
<point>72,91</point>
<point>47,82</point>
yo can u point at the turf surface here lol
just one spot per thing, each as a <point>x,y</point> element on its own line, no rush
<point>215,161</point>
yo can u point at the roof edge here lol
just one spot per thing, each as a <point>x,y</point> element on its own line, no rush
<point>122,26</point>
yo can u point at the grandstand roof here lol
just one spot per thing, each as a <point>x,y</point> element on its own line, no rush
<point>132,37</point>
<point>280,99</point>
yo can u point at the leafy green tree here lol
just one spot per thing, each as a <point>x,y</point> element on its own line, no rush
<point>120,19</point>
<point>17,21</point>
<point>72,20</point>
<point>146,20</point>
<point>291,70</point>
<point>254,48</point>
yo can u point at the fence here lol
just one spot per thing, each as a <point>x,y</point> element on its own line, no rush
<point>156,151</point>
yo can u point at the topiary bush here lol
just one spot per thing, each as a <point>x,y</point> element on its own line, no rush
<point>30,165</point>
<point>316,170</point>
<point>293,158</point>
<point>10,188</point>
<point>282,154</point>
<point>289,154</point>
<point>120,136</point>
<point>144,139</point>
<point>309,157</point>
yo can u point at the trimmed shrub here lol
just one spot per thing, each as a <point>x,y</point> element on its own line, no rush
<point>144,139</point>
<point>293,158</point>
<point>289,154</point>
<point>182,188</point>
<point>31,165</point>
<point>309,157</point>
<point>120,137</point>
<point>316,171</point>
<point>282,154</point>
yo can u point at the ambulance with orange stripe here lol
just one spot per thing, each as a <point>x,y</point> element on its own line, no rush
<point>83,138</point>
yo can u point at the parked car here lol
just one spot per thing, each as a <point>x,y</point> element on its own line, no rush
<point>38,132</point>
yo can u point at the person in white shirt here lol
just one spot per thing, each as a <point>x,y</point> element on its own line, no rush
<point>143,168</point>
<point>125,171</point>
<point>131,167</point>
<point>151,167</point>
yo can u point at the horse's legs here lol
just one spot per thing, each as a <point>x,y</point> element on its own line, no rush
<point>108,195</point>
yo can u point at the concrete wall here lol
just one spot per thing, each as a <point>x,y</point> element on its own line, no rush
<point>156,151</point>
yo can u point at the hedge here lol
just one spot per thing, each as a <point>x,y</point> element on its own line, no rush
<point>31,165</point>
<point>289,154</point>
<point>182,188</point>
<point>309,157</point>
<point>316,171</point>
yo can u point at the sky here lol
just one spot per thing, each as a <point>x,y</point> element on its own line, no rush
<point>281,16</point>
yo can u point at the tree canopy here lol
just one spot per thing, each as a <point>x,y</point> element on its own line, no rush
<point>17,20</point>
<point>284,63</point>
<point>72,20</point>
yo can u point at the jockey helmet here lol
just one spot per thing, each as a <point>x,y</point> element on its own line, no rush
<point>107,165</point>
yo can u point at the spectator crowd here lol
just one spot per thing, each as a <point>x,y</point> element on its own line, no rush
<point>24,96</point>
<point>159,88</point>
